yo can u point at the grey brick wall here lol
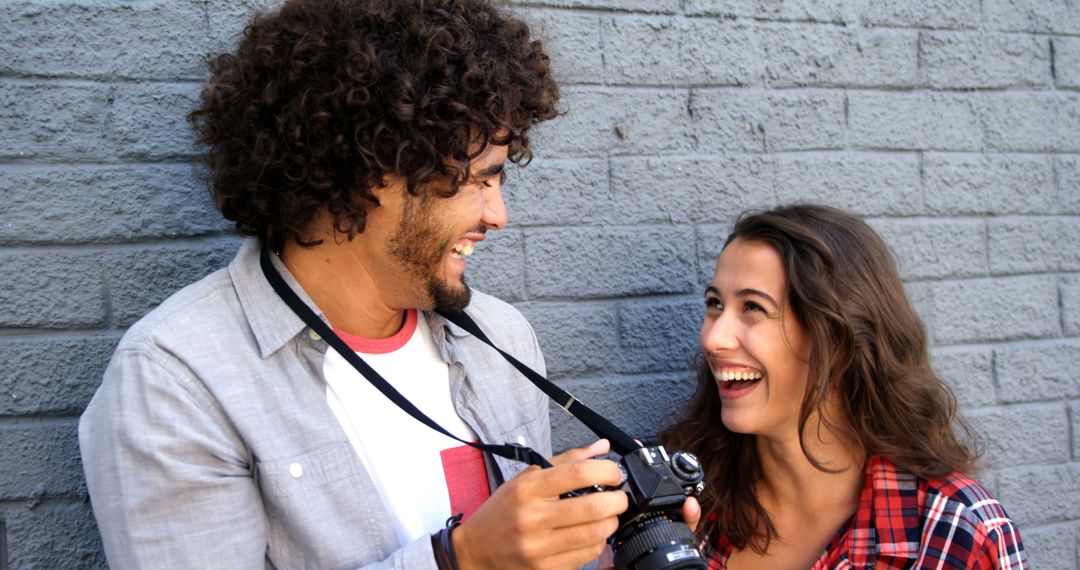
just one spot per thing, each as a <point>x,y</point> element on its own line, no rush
<point>950,124</point>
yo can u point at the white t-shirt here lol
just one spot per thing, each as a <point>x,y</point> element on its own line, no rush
<point>422,476</point>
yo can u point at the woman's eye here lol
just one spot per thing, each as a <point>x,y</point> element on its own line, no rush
<point>713,303</point>
<point>752,306</point>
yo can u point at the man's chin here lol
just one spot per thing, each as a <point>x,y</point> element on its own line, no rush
<point>451,299</point>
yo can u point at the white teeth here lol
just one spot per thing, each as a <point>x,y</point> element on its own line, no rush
<point>737,375</point>
<point>462,250</point>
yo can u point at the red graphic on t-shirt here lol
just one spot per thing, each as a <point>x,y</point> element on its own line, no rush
<point>466,479</point>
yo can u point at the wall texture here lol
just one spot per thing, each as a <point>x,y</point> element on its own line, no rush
<point>952,125</point>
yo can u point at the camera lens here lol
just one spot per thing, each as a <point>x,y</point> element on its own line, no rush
<point>653,541</point>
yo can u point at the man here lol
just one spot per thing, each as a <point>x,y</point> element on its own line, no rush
<point>362,145</point>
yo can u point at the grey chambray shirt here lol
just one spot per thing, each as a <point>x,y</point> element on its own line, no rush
<point>210,443</point>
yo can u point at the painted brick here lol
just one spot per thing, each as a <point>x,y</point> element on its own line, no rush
<point>572,39</point>
<point>936,14</point>
<point>968,60</point>
<point>638,405</point>
<point>73,204</point>
<point>728,120</point>
<point>1024,16</point>
<point>140,278</point>
<point>1038,495</point>
<point>1067,62</point>
<point>1051,547</point>
<point>50,120</point>
<point>145,40</point>
<point>1067,170</point>
<point>1031,121</point>
<point>498,265</point>
<point>803,121</point>
<point>862,183</point>
<point>598,121</point>
<point>149,121</point>
<point>55,534</point>
<point>40,458</point>
<point>931,248</point>
<point>827,57</point>
<point>921,296</point>
<point>51,375</point>
<point>597,262</point>
<point>51,290</point>
<point>665,50</point>
<point>914,121</point>
<point>576,337</point>
<point>746,120</point>
<point>226,20</point>
<point>658,335</point>
<point>1040,372</point>
<point>648,6</point>
<point>808,10</point>
<point>969,373</point>
<point>1070,304</point>
<point>1023,307</point>
<point>710,241</point>
<point>677,189</point>
<point>1023,435</point>
<point>997,184</point>
<point>1033,245</point>
<point>1074,418</point>
<point>561,192</point>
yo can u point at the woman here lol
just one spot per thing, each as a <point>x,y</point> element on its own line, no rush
<point>827,438</point>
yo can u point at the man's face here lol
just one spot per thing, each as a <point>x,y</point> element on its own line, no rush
<point>435,235</point>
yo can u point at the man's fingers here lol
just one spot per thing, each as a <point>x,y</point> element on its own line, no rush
<point>594,449</point>
<point>567,477</point>
<point>586,509</point>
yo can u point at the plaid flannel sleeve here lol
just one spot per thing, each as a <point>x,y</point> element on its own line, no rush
<point>974,533</point>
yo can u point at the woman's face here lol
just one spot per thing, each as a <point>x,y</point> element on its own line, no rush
<point>757,351</point>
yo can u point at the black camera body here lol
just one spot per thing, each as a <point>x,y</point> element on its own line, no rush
<point>652,534</point>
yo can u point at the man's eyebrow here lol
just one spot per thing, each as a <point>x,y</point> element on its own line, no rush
<point>493,170</point>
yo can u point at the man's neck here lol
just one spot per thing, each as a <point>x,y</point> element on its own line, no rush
<point>344,288</point>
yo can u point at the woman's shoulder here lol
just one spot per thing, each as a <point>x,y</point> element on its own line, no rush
<point>964,497</point>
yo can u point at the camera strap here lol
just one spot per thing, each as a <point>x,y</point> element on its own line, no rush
<point>620,442</point>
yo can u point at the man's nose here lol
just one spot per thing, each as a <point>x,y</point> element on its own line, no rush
<point>495,216</point>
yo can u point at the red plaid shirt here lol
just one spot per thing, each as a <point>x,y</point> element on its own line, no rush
<point>906,522</point>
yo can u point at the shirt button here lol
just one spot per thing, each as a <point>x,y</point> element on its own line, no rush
<point>313,336</point>
<point>296,470</point>
<point>521,440</point>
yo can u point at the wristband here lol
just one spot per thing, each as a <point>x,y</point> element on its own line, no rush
<point>442,544</point>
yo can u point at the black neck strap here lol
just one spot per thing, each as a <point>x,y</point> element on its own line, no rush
<point>620,442</point>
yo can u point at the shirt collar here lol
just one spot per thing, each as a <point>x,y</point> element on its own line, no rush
<point>894,514</point>
<point>272,321</point>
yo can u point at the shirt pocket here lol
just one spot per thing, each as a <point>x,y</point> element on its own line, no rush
<point>308,471</point>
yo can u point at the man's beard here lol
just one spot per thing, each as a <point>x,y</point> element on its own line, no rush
<point>418,245</point>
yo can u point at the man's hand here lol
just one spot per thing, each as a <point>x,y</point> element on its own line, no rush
<point>525,524</point>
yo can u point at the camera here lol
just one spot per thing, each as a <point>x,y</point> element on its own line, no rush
<point>651,533</point>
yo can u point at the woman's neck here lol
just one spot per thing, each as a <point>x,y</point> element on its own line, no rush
<point>789,478</point>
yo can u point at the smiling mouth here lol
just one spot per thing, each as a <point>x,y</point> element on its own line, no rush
<point>739,374</point>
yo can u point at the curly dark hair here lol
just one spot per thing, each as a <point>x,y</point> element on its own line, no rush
<point>325,98</point>
<point>869,347</point>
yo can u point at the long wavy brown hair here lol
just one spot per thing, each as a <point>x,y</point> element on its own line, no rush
<point>325,98</point>
<point>868,346</point>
